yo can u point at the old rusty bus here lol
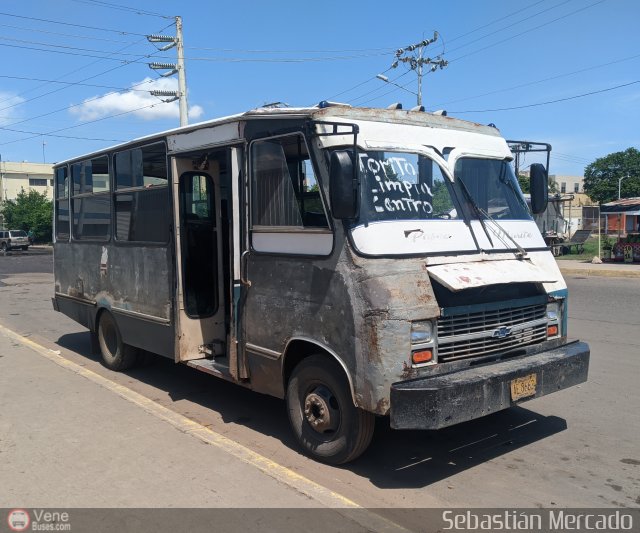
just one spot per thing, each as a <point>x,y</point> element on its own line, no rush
<point>355,262</point>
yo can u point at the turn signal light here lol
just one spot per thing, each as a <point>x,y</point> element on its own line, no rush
<point>552,331</point>
<point>423,356</point>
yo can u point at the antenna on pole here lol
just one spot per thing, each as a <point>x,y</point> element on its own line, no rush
<point>173,68</point>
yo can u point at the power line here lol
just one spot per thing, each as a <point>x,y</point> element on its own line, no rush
<point>78,105</point>
<point>527,31</point>
<point>119,32</point>
<point>510,26</point>
<point>572,156</point>
<point>61,34</point>
<point>72,83</point>
<point>79,69</point>
<point>297,50</point>
<point>379,88</point>
<point>548,102</point>
<point>79,51</point>
<point>83,124</point>
<point>495,21</point>
<point>63,52</point>
<point>120,7</point>
<point>37,134</point>
<point>451,40</point>
<point>527,84</point>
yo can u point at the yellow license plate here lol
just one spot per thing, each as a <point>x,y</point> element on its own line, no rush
<point>523,387</point>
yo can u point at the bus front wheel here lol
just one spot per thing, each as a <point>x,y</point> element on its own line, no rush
<point>328,426</point>
<point>115,354</point>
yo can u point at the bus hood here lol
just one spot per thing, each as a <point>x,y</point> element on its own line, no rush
<point>459,276</point>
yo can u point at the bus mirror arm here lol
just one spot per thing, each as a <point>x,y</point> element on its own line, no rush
<point>243,268</point>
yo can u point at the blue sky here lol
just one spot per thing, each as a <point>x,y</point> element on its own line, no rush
<point>69,66</point>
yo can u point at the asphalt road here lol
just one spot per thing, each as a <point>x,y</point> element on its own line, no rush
<point>576,448</point>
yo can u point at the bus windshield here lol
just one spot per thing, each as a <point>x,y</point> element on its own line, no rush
<point>404,186</point>
<point>493,186</point>
<point>409,186</point>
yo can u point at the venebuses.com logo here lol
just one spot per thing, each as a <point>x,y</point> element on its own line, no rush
<point>18,520</point>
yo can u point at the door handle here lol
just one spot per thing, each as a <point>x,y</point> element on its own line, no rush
<point>243,268</point>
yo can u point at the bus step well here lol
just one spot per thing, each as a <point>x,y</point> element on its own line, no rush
<point>218,367</point>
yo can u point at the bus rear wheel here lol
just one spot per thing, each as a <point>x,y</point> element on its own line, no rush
<point>326,423</point>
<point>115,354</point>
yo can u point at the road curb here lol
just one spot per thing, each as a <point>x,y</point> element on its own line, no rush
<point>596,272</point>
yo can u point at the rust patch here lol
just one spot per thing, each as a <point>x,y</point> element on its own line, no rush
<point>408,372</point>
<point>382,407</point>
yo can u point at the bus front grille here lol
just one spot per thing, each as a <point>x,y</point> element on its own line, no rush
<point>467,335</point>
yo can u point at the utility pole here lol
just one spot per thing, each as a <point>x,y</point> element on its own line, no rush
<point>173,68</point>
<point>413,55</point>
<point>620,183</point>
<point>182,76</point>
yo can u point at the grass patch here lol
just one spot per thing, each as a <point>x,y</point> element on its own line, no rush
<point>590,251</point>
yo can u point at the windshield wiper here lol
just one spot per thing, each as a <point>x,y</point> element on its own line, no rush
<point>521,253</point>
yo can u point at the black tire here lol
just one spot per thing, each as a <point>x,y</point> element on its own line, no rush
<point>145,358</point>
<point>25,248</point>
<point>115,354</point>
<point>3,247</point>
<point>326,423</point>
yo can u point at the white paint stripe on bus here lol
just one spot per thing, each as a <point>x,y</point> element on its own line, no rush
<point>299,483</point>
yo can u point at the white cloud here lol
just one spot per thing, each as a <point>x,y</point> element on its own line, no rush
<point>8,107</point>
<point>138,101</point>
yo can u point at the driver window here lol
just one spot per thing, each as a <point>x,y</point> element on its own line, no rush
<point>284,189</point>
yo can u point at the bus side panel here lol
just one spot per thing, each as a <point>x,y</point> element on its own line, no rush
<point>296,297</point>
<point>134,282</point>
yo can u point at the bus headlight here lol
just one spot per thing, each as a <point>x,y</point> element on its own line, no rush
<point>553,311</point>
<point>421,332</point>
<point>553,318</point>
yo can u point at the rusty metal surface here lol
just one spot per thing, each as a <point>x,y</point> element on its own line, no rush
<point>132,278</point>
<point>358,308</point>
<point>481,273</point>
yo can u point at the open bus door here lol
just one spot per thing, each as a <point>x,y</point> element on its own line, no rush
<point>200,294</point>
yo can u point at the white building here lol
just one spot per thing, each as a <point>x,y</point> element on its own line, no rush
<point>15,177</point>
<point>569,184</point>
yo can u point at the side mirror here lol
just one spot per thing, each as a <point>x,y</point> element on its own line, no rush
<point>343,185</point>
<point>539,188</point>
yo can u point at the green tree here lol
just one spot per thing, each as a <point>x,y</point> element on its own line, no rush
<point>524,183</point>
<point>601,177</point>
<point>30,211</point>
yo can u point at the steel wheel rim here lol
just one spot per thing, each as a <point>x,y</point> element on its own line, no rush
<point>321,410</point>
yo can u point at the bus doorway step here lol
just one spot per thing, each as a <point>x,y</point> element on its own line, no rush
<point>217,367</point>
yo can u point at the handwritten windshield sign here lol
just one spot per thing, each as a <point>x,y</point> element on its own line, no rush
<point>396,186</point>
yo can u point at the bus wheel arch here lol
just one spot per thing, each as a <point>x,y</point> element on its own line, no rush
<point>115,354</point>
<point>325,421</point>
<point>298,349</point>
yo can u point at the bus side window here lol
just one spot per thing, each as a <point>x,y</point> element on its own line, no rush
<point>142,195</point>
<point>62,204</point>
<point>285,192</point>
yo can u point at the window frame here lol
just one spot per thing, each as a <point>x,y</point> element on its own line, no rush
<point>292,231</point>
<point>117,191</point>
<point>83,195</point>
<point>287,229</point>
<point>57,200</point>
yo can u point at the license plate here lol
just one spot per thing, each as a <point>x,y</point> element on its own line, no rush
<point>523,387</point>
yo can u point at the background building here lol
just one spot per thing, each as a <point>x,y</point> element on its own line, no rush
<point>17,176</point>
<point>574,211</point>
